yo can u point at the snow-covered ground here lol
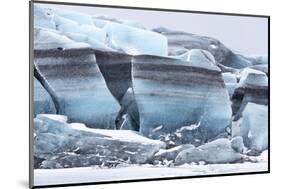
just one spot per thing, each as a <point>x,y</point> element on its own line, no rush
<point>92,174</point>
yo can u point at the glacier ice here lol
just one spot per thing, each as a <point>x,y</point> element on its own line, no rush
<point>237,144</point>
<point>177,87</point>
<point>135,41</point>
<point>63,145</point>
<point>230,81</point>
<point>116,69</point>
<point>252,87</point>
<point>172,93</point>
<point>78,85</point>
<point>51,39</point>
<point>202,59</point>
<point>218,151</point>
<point>260,67</point>
<point>250,77</point>
<point>171,154</point>
<point>93,32</point>
<point>254,126</point>
<point>43,103</point>
<point>72,15</point>
<point>42,18</point>
<point>66,25</point>
<point>123,36</point>
<point>179,40</point>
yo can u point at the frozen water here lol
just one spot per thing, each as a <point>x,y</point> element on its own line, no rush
<point>174,94</point>
<point>42,19</point>
<point>51,39</point>
<point>78,86</point>
<point>135,41</point>
<point>93,32</point>
<point>72,15</point>
<point>230,81</point>
<point>252,77</point>
<point>218,151</point>
<point>63,145</point>
<point>254,126</point>
<point>43,103</point>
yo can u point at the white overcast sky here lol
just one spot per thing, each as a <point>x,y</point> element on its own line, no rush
<point>248,35</point>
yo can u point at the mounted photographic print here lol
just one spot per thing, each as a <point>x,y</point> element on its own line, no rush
<point>121,94</point>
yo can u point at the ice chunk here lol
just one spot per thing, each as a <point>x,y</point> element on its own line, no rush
<point>50,39</point>
<point>72,15</point>
<point>201,58</point>
<point>135,41</point>
<point>62,145</point>
<point>91,42</point>
<point>218,151</point>
<point>252,87</point>
<point>229,77</point>
<point>42,18</point>
<point>255,121</point>
<point>78,86</point>
<point>222,54</point>
<point>252,77</point>
<point>93,32</point>
<point>261,67</point>
<point>171,154</point>
<point>66,25</point>
<point>172,93</point>
<point>230,81</point>
<point>237,144</point>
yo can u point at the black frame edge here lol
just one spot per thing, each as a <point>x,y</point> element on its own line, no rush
<point>31,34</point>
<point>152,9</point>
